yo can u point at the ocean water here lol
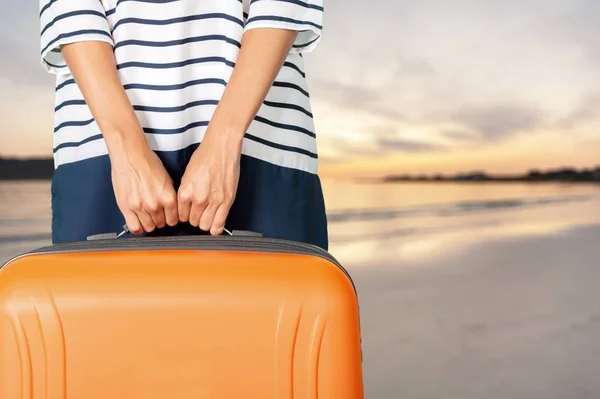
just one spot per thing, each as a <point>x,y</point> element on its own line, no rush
<point>408,222</point>
<point>361,214</point>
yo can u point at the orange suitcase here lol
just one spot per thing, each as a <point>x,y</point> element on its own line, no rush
<point>179,317</point>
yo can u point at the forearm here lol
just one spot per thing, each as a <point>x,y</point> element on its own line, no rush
<point>93,66</point>
<point>260,59</point>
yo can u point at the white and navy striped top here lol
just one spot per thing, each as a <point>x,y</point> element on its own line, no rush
<point>174,58</point>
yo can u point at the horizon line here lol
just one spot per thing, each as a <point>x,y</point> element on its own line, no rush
<point>475,170</point>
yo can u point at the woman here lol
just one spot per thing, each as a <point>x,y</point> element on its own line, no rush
<point>183,116</point>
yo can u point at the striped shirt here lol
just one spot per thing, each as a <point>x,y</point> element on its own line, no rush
<point>174,58</point>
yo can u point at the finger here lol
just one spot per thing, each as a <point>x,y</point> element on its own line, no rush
<point>220,218</point>
<point>184,205</point>
<point>206,220</point>
<point>157,214</point>
<point>198,207</point>
<point>196,212</point>
<point>159,218</point>
<point>169,203</point>
<point>133,223</point>
<point>146,220</point>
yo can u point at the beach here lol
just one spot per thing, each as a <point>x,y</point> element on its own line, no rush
<point>505,318</point>
<point>465,291</point>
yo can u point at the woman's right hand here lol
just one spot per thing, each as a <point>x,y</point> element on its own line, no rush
<point>143,189</point>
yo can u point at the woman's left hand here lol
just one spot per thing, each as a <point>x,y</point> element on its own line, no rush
<point>210,181</point>
<point>211,178</point>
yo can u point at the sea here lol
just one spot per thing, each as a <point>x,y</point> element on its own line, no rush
<point>364,216</point>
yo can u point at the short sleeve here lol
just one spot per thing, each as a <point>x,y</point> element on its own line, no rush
<point>69,21</point>
<point>303,16</point>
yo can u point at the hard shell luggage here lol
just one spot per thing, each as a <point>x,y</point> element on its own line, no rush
<point>179,317</point>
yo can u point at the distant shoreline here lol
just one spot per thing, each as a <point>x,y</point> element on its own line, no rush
<point>27,180</point>
<point>564,175</point>
<point>479,181</point>
<point>381,181</point>
<point>490,181</point>
<point>43,169</point>
<point>26,169</point>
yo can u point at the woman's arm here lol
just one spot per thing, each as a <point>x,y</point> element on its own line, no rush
<point>143,189</point>
<point>75,39</point>
<point>210,181</point>
<point>261,57</point>
<point>93,66</point>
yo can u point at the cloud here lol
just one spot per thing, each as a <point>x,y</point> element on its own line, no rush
<point>459,135</point>
<point>496,122</point>
<point>19,45</point>
<point>580,26</point>
<point>587,110</point>
<point>402,145</point>
<point>480,71</point>
<point>388,139</point>
<point>482,122</point>
<point>346,95</point>
<point>379,92</point>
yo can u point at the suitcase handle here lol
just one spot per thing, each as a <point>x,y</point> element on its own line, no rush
<point>111,236</point>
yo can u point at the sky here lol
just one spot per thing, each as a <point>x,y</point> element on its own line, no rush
<point>401,86</point>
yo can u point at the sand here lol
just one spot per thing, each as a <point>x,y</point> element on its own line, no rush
<point>504,318</point>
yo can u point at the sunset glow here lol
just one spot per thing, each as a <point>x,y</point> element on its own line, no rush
<point>404,87</point>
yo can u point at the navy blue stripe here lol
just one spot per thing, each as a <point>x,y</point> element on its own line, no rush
<point>175,131</point>
<point>73,123</point>
<point>205,123</point>
<point>298,3</point>
<point>67,103</point>
<point>169,43</point>
<point>281,146</point>
<point>77,33</point>
<point>65,83</point>
<point>69,15</point>
<point>146,108</point>
<point>278,18</point>
<point>288,106</point>
<point>176,20</point>
<point>142,86</point>
<point>294,66</point>
<point>248,136</point>
<point>180,64</point>
<point>55,66</point>
<point>291,86</point>
<point>174,87</point>
<point>77,144</point>
<point>113,10</point>
<point>47,6</point>
<point>180,86</point>
<point>306,44</point>
<point>285,126</point>
<point>180,108</point>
